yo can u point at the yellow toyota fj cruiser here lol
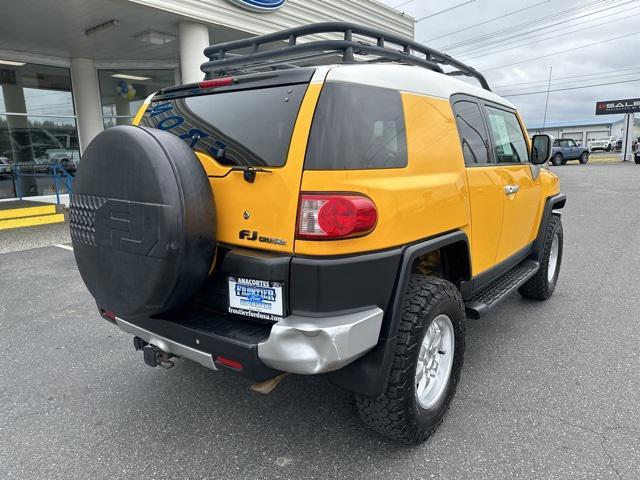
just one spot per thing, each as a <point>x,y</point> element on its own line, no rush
<point>337,205</point>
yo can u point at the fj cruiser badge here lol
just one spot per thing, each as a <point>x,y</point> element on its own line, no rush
<point>252,235</point>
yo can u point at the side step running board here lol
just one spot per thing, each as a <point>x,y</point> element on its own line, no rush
<point>491,295</point>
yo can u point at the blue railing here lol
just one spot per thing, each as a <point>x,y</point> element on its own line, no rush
<point>54,170</point>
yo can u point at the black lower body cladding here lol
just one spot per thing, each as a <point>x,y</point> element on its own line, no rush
<point>338,285</point>
<point>316,286</point>
<point>142,221</point>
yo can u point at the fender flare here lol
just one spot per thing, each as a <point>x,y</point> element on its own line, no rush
<point>555,202</point>
<point>368,376</point>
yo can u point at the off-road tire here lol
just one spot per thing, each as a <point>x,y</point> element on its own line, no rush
<point>539,287</point>
<point>557,159</point>
<point>584,158</point>
<point>397,414</point>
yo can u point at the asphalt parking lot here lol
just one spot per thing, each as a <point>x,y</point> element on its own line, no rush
<point>549,390</point>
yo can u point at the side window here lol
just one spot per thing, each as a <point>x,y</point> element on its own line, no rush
<point>357,127</point>
<point>556,143</point>
<point>571,143</point>
<point>509,143</point>
<point>473,133</point>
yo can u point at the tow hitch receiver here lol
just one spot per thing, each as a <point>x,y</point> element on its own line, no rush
<point>152,355</point>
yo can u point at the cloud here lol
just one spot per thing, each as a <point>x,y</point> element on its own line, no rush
<point>613,19</point>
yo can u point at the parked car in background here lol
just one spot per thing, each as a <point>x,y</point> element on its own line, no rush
<point>38,147</point>
<point>565,149</point>
<point>603,143</point>
<point>69,164</point>
<point>619,145</point>
<point>5,166</point>
<point>65,158</point>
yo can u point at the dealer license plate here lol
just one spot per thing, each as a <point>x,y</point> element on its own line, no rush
<point>256,298</point>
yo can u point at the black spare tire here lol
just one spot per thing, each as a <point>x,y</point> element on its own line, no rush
<point>142,221</point>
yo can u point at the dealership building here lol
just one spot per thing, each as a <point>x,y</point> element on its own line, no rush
<point>584,132</point>
<point>71,68</point>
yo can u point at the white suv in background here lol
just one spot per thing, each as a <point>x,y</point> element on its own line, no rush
<point>603,143</point>
<point>5,166</point>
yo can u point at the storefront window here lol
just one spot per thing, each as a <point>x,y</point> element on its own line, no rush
<point>37,128</point>
<point>122,92</point>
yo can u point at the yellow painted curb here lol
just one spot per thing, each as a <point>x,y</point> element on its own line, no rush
<point>27,212</point>
<point>31,221</point>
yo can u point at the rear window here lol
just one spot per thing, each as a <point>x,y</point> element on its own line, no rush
<point>243,127</point>
<point>357,127</point>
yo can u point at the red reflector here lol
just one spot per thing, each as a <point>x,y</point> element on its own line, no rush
<point>227,362</point>
<point>333,216</point>
<point>108,314</point>
<point>216,82</point>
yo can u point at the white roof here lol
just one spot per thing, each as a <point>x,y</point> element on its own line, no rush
<point>410,79</point>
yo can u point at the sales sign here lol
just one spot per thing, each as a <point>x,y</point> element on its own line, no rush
<point>609,107</point>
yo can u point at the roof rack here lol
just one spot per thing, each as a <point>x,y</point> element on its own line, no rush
<point>223,55</point>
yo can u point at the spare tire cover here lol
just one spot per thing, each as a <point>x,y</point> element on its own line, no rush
<point>142,221</point>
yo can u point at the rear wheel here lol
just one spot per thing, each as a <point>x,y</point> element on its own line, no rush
<point>584,158</point>
<point>557,159</point>
<point>543,283</point>
<point>426,366</point>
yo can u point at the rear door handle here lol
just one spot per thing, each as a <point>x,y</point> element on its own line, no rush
<point>511,189</point>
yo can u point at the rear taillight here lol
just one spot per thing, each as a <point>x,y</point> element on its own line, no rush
<point>216,82</point>
<point>333,216</point>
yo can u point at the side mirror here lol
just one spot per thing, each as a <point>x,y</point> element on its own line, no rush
<point>541,147</point>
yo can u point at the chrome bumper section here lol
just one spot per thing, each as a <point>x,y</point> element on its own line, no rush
<point>307,345</point>
<point>296,344</point>
<point>167,345</point>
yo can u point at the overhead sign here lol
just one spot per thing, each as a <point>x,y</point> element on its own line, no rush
<point>261,6</point>
<point>609,107</point>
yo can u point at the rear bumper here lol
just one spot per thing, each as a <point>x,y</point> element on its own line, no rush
<point>296,344</point>
<point>335,314</point>
<point>307,345</point>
